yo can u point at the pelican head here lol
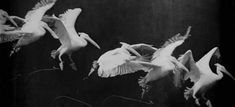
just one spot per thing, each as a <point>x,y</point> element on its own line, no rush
<point>4,17</point>
<point>87,37</point>
<point>221,68</point>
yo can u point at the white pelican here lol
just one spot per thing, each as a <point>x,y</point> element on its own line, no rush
<point>163,62</point>
<point>33,28</point>
<point>202,76</point>
<point>118,61</point>
<point>70,40</point>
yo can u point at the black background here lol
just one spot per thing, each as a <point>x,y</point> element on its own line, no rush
<point>108,22</point>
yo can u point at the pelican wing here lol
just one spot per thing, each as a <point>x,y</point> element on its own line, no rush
<point>125,68</point>
<point>57,26</point>
<point>5,37</point>
<point>169,46</point>
<point>39,10</point>
<point>69,17</point>
<point>188,61</point>
<point>144,49</point>
<point>203,63</point>
<point>117,62</point>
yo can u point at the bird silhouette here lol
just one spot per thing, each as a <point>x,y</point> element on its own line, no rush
<point>70,40</point>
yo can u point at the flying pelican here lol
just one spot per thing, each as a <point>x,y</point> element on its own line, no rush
<point>118,61</point>
<point>33,28</point>
<point>70,40</point>
<point>201,74</point>
<point>163,62</point>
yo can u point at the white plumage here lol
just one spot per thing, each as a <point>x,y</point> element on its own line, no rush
<point>33,28</point>
<point>162,61</point>
<point>201,75</point>
<point>118,61</point>
<point>70,40</point>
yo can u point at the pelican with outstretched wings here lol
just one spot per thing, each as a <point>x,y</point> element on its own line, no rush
<point>118,61</point>
<point>201,74</point>
<point>70,40</point>
<point>163,62</point>
<point>33,28</point>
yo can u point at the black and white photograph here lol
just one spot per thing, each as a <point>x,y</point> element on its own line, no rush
<point>117,53</point>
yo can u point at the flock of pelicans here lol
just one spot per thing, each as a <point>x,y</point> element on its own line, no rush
<point>157,62</point>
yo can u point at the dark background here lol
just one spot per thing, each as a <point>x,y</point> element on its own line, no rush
<point>108,22</point>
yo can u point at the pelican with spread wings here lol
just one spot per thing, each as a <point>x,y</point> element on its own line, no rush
<point>118,61</point>
<point>201,74</point>
<point>33,28</point>
<point>163,62</point>
<point>70,40</point>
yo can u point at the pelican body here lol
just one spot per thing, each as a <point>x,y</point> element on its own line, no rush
<point>118,61</point>
<point>202,76</point>
<point>163,62</point>
<point>70,40</point>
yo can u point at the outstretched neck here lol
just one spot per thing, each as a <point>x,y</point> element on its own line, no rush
<point>219,74</point>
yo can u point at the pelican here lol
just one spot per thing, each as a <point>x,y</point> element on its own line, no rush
<point>163,62</point>
<point>201,75</point>
<point>70,40</point>
<point>118,61</point>
<point>33,28</point>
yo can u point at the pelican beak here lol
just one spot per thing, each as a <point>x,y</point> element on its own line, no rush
<point>87,37</point>
<point>11,20</point>
<point>224,70</point>
<point>128,47</point>
<point>180,65</point>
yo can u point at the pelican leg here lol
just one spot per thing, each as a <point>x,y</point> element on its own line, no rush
<point>15,49</point>
<point>197,102</point>
<point>61,62</point>
<point>72,64</point>
<point>142,81</point>
<point>62,51</point>
<point>187,93</point>
<point>145,90</point>
<point>208,102</point>
<point>54,53</point>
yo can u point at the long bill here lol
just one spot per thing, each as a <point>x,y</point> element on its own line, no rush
<point>128,47</point>
<point>223,69</point>
<point>89,39</point>
<point>11,20</point>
